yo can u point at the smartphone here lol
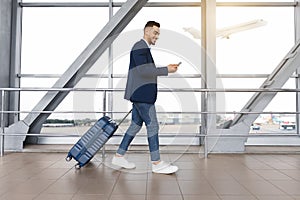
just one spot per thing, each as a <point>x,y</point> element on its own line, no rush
<point>179,63</point>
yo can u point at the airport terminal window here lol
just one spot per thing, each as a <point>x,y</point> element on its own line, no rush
<point>257,50</point>
<point>52,38</point>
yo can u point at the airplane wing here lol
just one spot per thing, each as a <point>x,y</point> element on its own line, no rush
<point>195,33</point>
<point>227,31</point>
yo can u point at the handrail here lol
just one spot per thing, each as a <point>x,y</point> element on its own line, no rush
<point>158,112</point>
<point>157,4</point>
<point>163,77</point>
<point>161,135</point>
<point>160,89</point>
<point>105,90</point>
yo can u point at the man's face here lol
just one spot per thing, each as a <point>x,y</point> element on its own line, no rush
<point>152,34</point>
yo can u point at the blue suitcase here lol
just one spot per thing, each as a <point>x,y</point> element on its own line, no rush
<point>93,140</point>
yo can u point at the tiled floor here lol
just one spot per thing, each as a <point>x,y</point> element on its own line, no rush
<point>43,176</point>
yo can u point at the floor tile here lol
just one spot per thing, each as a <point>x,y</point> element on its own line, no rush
<point>164,197</point>
<point>93,186</point>
<point>9,184</point>
<point>64,187</point>
<point>277,197</point>
<point>217,174</point>
<point>280,165</point>
<point>289,187</point>
<point>24,173</point>
<point>163,177</point>
<point>244,174</point>
<point>185,165</point>
<point>33,187</point>
<point>128,197</point>
<point>225,187</point>
<point>133,176</point>
<point>237,197</point>
<point>272,175</point>
<point>129,187</point>
<point>54,196</point>
<point>90,197</point>
<point>187,174</point>
<point>50,173</point>
<point>261,187</point>
<point>257,165</point>
<point>196,188</point>
<point>158,187</point>
<point>292,173</point>
<point>198,197</point>
<point>12,196</point>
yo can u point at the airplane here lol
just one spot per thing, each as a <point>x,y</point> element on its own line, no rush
<point>226,32</point>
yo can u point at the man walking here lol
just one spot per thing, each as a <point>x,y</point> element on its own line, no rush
<point>141,90</point>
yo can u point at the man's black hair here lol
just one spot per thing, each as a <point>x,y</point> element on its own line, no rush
<point>151,24</point>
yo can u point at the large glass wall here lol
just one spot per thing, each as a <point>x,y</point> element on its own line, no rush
<point>53,37</point>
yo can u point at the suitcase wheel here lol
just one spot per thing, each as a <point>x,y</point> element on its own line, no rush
<point>68,158</point>
<point>77,166</point>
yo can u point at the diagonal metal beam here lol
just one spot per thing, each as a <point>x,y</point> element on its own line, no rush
<point>276,79</point>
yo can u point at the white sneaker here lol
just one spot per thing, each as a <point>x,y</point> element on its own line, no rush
<point>122,162</point>
<point>164,168</point>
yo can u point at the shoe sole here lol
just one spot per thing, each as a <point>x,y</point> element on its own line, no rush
<point>165,173</point>
<point>123,167</point>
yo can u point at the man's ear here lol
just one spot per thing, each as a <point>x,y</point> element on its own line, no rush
<point>146,31</point>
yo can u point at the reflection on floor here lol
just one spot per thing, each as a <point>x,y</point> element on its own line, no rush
<point>43,176</point>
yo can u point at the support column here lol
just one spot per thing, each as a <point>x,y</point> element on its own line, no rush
<point>15,60</point>
<point>110,66</point>
<point>5,38</point>
<point>297,37</point>
<point>208,68</point>
<point>10,51</point>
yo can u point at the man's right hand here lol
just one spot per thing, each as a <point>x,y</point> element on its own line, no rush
<point>172,68</point>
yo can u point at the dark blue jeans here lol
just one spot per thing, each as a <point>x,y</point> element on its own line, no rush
<point>142,112</point>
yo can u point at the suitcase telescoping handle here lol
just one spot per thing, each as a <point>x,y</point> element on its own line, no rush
<point>124,118</point>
